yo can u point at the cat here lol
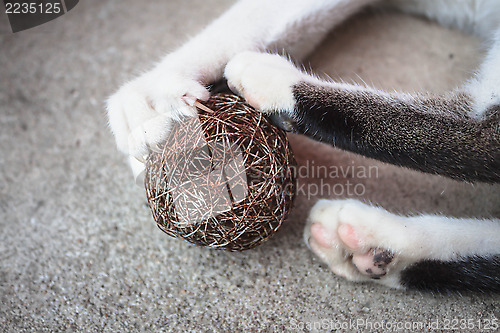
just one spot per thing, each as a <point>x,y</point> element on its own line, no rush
<point>456,135</point>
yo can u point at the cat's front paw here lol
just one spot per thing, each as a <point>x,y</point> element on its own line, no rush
<point>359,242</point>
<point>141,112</point>
<point>265,81</point>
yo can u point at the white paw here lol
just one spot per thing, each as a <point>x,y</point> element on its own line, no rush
<point>141,111</point>
<point>357,241</point>
<point>264,80</point>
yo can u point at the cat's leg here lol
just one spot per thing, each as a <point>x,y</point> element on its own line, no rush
<point>456,135</point>
<point>141,111</point>
<point>365,243</point>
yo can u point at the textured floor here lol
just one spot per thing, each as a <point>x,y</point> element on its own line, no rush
<point>78,247</point>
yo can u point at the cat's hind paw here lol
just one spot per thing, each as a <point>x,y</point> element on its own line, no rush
<point>356,241</point>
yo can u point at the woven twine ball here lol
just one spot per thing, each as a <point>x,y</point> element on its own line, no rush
<point>224,179</point>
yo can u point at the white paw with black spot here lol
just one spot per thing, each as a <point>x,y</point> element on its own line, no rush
<point>349,237</point>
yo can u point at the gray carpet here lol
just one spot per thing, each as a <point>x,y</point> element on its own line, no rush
<point>79,250</point>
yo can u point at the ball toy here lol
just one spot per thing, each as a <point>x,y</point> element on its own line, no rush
<point>224,179</point>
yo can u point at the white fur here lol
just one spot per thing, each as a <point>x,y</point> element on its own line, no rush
<point>140,113</point>
<point>266,80</point>
<point>485,87</point>
<point>254,75</point>
<point>410,238</point>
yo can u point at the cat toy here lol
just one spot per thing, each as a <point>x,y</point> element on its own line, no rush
<point>224,179</point>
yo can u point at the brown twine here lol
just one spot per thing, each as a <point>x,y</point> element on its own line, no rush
<point>224,179</point>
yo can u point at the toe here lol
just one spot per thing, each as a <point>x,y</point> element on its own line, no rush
<point>321,236</point>
<point>348,236</point>
<point>373,263</point>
